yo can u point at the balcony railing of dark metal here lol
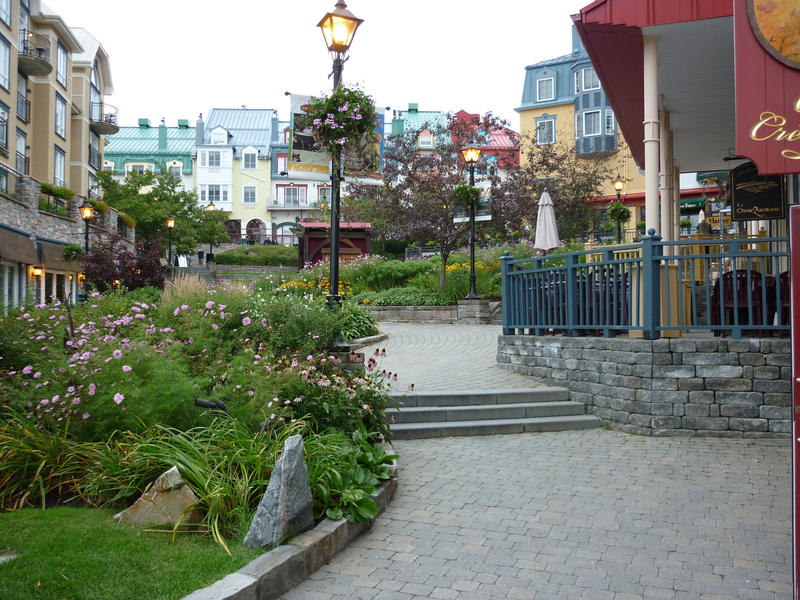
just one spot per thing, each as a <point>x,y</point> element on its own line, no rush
<point>4,134</point>
<point>100,112</point>
<point>34,44</point>
<point>23,163</point>
<point>729,286</point>
<point>94,157</point>
<point>23,108</point>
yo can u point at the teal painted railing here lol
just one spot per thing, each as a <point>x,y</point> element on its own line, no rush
<point>729,286</point>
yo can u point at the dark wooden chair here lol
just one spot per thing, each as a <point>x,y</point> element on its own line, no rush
<point>735,298</point>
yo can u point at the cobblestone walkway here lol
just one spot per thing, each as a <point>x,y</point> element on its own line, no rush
<point>593,514</point>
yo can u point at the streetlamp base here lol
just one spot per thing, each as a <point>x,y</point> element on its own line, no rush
<point>473,295</point>
<point>333,300</point>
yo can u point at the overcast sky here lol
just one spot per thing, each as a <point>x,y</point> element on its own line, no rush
<point>178,58</point>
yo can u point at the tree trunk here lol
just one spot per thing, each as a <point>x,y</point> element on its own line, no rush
<point>443,269</point>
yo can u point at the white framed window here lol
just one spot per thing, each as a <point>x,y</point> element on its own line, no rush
<point>3,128</point>
<point>61,65</point>
<point>139,168</point>
<point>545,89</point>
<point>219,136</point>
<point>224,189</point>
<point>291,196</point>
<point>610,124</point>
<point>203,194</point>
<point>325,196</point>
<point>249,194</point>
<point>545,132</point>
<point>108,165</point>
<point>61,117</point>
<point>426,140</point>
<point>203,158</point>
<point>578,127</point>
<point>577,82</point>
<point>249,160</point>
<point>213,193</point>
<point>5,12</point>
<point>280,163</point>
<point>591,123</point>
<point>590,79</point>
<point>175,171</point>
<point>214,158</point>
<point>59,166</point>
<point>5,63</point>
<point>287,135</point>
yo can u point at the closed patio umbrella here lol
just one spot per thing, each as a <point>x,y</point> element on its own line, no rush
<point>546,229</point>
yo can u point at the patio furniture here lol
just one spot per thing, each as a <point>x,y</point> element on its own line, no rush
<point>737,300</point>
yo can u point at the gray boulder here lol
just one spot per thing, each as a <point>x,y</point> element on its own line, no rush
<point>167,501</point>
<point>286,508</point>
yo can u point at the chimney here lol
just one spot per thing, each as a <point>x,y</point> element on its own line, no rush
<point>144,123</point>
<point>413,107</point>
<point>199,132</point>
<point>162,136</point>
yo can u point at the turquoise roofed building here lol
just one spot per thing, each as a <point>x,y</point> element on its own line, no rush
<point>422,121</point>
<point>147,148</point>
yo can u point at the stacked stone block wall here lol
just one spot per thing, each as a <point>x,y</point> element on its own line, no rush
<point>681,386</point>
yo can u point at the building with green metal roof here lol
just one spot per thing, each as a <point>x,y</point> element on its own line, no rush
<point>147,148</point>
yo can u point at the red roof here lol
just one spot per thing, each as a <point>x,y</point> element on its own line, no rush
<point>324,224</point>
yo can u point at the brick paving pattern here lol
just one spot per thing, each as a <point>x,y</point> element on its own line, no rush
<point>595,515</point>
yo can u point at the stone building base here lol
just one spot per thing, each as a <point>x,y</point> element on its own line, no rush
<point>684,386</point>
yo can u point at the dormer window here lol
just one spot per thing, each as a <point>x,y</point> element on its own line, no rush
<point>545,89</point>
<point>426,140</point>
<point>250,159</point>
<point>219,136</point>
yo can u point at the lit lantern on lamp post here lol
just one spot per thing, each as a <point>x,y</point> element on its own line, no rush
<point>338,28</point>
<point>87,212</point>
<point>471,155</point>
<point>170,227</point>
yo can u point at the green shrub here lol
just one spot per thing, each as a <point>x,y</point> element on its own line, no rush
<point>259,255</point>
<point>407,296</point>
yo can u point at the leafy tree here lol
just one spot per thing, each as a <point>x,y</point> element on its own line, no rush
<point>416,201</point>
<point>570,179</point>
<point>110,262</point>
<point>618,213</point>
<point>150,199</point>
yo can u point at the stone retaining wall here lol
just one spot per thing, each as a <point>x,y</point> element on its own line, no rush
<point>679,386</point>
<point>415,314</point>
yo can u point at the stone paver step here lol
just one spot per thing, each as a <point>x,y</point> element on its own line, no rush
<point>407,431</point>
<point>423,414</point>
<point>473,397</point>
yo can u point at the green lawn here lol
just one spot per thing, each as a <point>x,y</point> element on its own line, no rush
<point>83,554</point>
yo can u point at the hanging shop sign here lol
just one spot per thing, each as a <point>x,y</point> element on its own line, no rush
<point>756,197</point>
<point>767,67</point>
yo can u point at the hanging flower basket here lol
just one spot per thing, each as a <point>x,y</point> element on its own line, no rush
<point>346,117</point>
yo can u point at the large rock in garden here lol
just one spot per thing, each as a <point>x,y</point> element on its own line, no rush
<point>286,507</point>
<point>164,502</point>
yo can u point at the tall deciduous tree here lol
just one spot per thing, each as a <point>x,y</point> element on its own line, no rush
<point>150,199</point>
<point>416,200</point>
<point>571,180</point>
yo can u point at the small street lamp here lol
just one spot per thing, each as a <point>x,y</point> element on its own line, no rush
<point>338,28</point>
<point>87,212</point>
<point>170,227</point>
<point>210,255</point>
<point>619,183</point>
<point>471,155</point>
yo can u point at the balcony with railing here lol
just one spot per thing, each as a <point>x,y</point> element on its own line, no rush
<point>23,163</point>
<point>293,204</point>
<point>34,54</point>
<point>94,157</point>
<point>103,118</point>
<point>23,108</point>
<point>3,137</point>
<point>728,286</point>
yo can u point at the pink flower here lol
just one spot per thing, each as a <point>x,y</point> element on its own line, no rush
<point>92,388</point>
<point>210,304</point>
<point>118,398</point>
<point>214,326</point>
<point>184,307</point>
<point>86,416</point>
<point>126,368</point>
<point>176,311</point>
<point>246,321</point>
<point>309,357</point>
<point>37,375</point>
<point>117,353</point>
<point>27,370</point>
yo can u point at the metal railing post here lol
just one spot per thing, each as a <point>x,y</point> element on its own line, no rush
<point>651,285</point>
<point>571,275</point>
<point>507,293</point>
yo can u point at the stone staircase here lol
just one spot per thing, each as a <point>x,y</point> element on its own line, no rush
<point>484,412</point>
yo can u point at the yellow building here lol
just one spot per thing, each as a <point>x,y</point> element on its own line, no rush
<point>563,103</point>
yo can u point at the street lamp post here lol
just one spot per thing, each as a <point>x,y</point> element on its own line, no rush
<point>87,212</point>
<point>338,28</point>
<point>211,206</point>
<point>619,183</point>
<point>170,227</point>
<point>471,155</point>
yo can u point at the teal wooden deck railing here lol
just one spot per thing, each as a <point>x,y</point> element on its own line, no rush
<point>729,286</point>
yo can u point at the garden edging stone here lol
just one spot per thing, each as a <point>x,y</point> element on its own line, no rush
<point>279,570</point>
